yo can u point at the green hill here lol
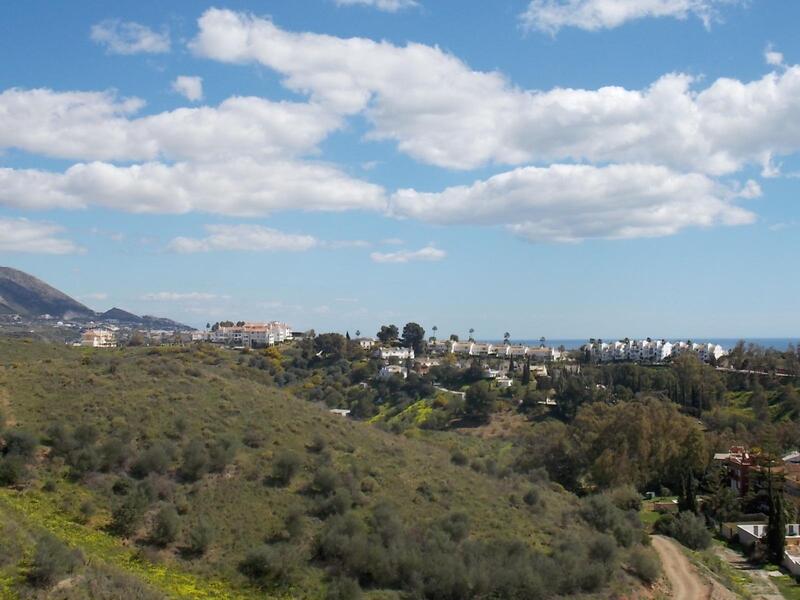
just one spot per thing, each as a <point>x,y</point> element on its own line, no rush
<point>211,446</point>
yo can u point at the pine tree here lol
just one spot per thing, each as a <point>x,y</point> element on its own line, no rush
<point>526,372</point>
<point>776,527</point>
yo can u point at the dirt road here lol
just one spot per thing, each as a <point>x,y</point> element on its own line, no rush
<point>686,583</point>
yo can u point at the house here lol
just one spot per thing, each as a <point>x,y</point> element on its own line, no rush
<point>399,353</point>
<point>503,381</point>
<point>365,342</point>
<point>252,334</point>
<point>739,463</point>
<point>342,412</point>
<point>750,533</point>
<point>390,370</point>
<point>439,347</point>
<point>98,338</point>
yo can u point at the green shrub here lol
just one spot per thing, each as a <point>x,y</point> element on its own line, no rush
<point>152,460</point>
<point>269,564</point>
<point>688,528</point>
<point>126,518</point>
<point>12,470</point>
<point>459,458</point>
<point>343,588</point>
<point>20,443</point>
<point>194,462</point>
<point>51,561</point>
<point>166,526</point>
<point>200,538</point>
<point>286,466</point>
<point>644,562</point>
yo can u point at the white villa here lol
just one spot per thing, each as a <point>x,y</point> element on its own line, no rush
<point>399,353</point>
<point>99,338</point>
<point>539,353</point>
<point>252,334</point>
<point>387,371</point>
<point>649,350</point>
<point>365,342</point>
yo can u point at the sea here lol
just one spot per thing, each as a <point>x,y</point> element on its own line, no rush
<point>727,343</point>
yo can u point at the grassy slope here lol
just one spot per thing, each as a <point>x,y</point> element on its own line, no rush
<point>147,392</point>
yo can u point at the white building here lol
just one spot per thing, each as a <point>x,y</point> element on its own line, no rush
<point>649,350</point>
<point>252,334</point>
<point>365,342</point>
<point>399,353</point>
<point>390,370</point>
<point>98,338</point>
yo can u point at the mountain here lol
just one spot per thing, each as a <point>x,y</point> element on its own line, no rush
<point>28,296</point>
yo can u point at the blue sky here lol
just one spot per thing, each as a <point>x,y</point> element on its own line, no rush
<point>566,168</point>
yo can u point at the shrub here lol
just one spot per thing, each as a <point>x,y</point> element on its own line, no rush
<point>285,467</point>
<point>20,443</point>
<point>51,561</point>
<point>113,454</point>
<point>600,512</point>
<point>626,498</point>
<point>12,470</point>
<point>317,445</point>
<point>269,564</point>
<point>165,526</point>
<point>153,460</point>
<point>343,588</point>
<point>531,497</point>
<point>459,458</point>
<point>200,538</point>
<point>644,562</point>
<point>194,463</point>
<point>325,481</point>
<point>689,529</point>
<point>126,518</point>
<point>221,454</point>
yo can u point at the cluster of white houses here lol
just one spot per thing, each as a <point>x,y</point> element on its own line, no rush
<point>470,348</point>
<point>649,350</point>
<point>251,334</point>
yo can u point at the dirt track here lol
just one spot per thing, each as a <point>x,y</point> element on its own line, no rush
<point>686,583</point>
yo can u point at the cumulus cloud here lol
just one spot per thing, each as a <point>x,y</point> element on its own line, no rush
<point>384,5</point>
<point>189,87</point>
<point>441,112</point>
<point>181,296</point>
<point>127,37</point>
<point>567,203</point>
<point>427,254</point>
<point>552,15</point>
<point>241,187</point>
<point>22,235</point>
<point>100,126</point>
<point>773,57</point>
<point>243,238</point>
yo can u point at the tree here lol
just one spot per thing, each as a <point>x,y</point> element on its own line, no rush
<point>358,333</point>
<point>331,345</point>
<point>51,561</point>
<point>435,329</point>
<point>413,336</point>
<point>776,526</point>
<point>195,461</point>
<point>388,333</point>
<point>200,538</point>
<point>506,338</point>
<point>526,372</point>
<point>453,337</point>
<point>286,466</point>
<point>480,400</point>
<point>471,334</point>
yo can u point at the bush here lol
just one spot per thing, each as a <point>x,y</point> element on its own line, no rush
<point>12,470</point>
<point>153,460</point>
<point>20,443</point>
<point>644,562</point>
<point>325,481</point>
<point>195,461</point>
<point>200,538</point>
<point>626,498</point>
<point>531,497</point>
<point>221,454</point>
<point>269,564</point>
<point>689,529</point>
<point>113,454</point>
<point>459,458</point>
<point>286,466</point>
<point>343,588</point>
<point>51,561</point>
<point>126,518</point>
<point>600,512</point>
<point>165,526</point>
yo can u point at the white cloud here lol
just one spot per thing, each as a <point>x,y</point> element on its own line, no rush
<point>181,296</point>
<point>551,15</point>
<point>22,235</point>
<point>98,126</point>
<point>566,203</point>
<point>384,5</point>
<point>427,254</point>
<point>242,187</point>
<point>773,57</point>
<point>441,112</point>
<point>188,86</point>
<point>243,238</point>
<point>127,37</point>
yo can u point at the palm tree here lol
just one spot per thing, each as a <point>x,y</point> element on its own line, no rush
<point>435,329</point>
<point>358,333</point>
<point>506,337</point>
<point>542,341</point>
<point>471,331</point>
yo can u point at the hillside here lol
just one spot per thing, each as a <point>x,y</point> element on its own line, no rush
<point>26,295</point>
<point>199,430</point>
